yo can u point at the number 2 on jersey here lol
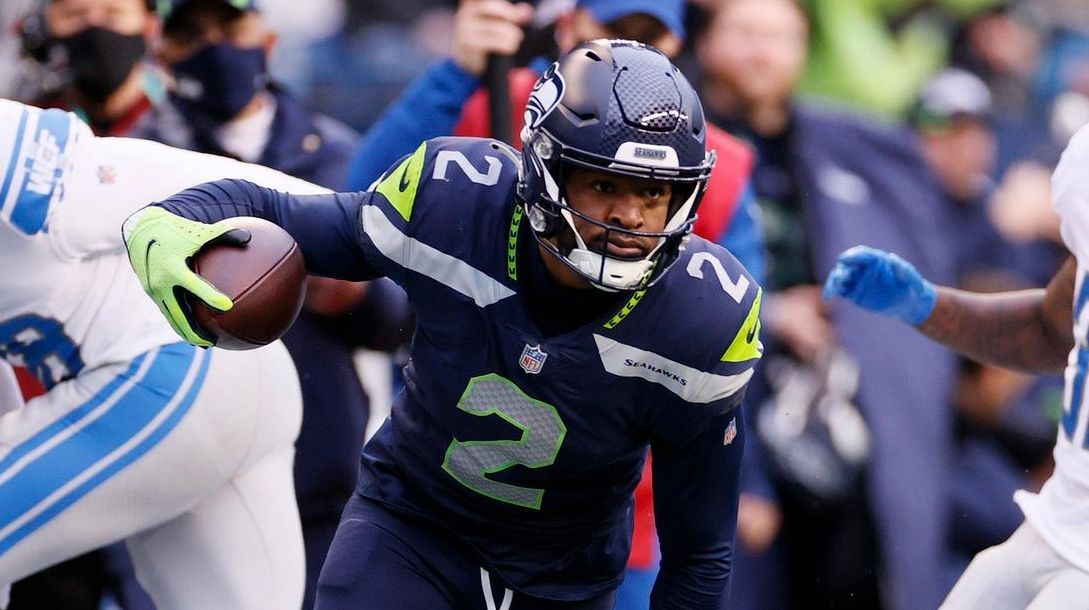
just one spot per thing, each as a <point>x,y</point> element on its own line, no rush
<point>736,290</point>
<point>446,157</point>
<point>470,462</point>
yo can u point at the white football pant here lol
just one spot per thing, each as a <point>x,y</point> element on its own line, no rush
<point>1021,573</point>
<point>185,454</point>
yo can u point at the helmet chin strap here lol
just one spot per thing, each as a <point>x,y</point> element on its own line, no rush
<point>607,273</point>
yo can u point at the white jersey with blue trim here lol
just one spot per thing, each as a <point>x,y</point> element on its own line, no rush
<point>1060,512</point>
<point>68,297</point>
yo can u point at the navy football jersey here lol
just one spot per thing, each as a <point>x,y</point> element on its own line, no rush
<point>529,445</point>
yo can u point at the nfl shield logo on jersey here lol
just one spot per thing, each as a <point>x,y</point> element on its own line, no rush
<point>532,359</point>
<point>731,432</point>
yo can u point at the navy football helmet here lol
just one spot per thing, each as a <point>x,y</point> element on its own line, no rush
<point>619,107</point>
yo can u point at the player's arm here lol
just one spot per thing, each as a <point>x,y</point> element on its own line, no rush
<point>697,461</point>
<point>695,508</point>
<point>113,177</point>
<point>325,226</point>
<point>162,238</point>
<point>1026,330</point>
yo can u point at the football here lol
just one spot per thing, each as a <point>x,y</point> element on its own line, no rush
<point>266,279</point>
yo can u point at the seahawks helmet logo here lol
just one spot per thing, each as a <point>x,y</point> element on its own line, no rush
<point>546,95</point>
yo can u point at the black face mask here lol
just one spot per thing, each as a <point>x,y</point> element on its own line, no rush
<point>101,60</point>
<point>220,81</point>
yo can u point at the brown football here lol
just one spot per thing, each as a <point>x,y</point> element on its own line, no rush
<point>266,279</point>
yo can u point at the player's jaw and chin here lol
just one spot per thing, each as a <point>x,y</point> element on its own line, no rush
<point>610,242</point>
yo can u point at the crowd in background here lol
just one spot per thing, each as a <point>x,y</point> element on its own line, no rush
<point>928,127</point>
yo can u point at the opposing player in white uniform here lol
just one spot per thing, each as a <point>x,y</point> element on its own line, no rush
<point>1045,563</point>
<point>185,454</point>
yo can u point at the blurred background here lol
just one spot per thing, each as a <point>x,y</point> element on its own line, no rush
<point>929,127</point>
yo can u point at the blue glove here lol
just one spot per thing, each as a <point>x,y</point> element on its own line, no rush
<point>883,283</point>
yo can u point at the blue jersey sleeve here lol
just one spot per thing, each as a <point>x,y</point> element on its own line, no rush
<point>696,487</point>
<point>428,109</point>
<point>424,218</point>
<point>326,227</point>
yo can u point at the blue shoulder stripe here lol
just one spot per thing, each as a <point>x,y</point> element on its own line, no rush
<point>43,170</point>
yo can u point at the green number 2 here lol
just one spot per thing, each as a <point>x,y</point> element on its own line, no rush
<point>470,462</point>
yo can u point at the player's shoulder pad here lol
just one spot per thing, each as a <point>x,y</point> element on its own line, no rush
<point>36,147</point>
<point>716,304</point>
<point>448,175</point>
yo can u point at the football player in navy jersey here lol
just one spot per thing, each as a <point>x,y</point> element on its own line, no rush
<point>567,321</point>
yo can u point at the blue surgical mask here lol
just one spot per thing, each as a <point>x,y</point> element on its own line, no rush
<point>218,82</point>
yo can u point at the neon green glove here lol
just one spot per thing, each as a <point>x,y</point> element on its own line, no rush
<point>160,245</point>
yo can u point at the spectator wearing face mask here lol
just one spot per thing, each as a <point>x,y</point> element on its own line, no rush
<point>100,47</point>
<point>217,53</point>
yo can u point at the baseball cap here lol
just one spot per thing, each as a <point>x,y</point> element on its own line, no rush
<point>669,12</point>
<point>950,94</point>
<point>166,8</point>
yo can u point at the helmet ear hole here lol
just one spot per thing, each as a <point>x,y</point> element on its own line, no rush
<point>544,223</point>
